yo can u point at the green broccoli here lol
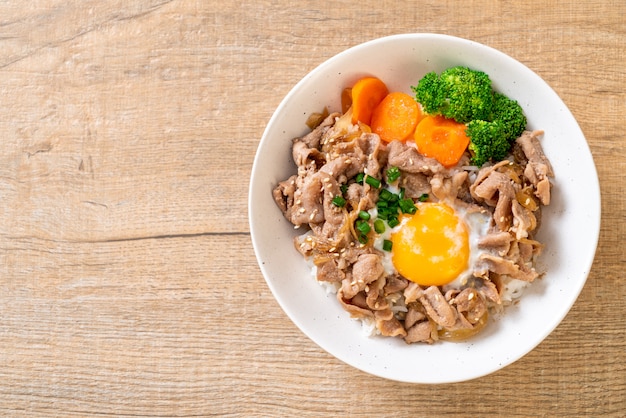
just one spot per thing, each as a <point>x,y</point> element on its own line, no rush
<point>493,120</point>
<point>510,113</point>
<point>459,93</point>
<point>488,141</point>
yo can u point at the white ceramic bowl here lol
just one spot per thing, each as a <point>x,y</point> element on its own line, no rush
<point>570,225</point>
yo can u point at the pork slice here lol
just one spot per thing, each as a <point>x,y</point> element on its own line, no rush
<point>529,142</point>
<point>329,272</point>
<point>524,220</point>
<point>388,324</point>
<point>508,267</point>
<point>375,298</point>
<point>448,188</point>
<point>413,316</point>
<point>542,191</point>
<point>303,155</point>
<point>437,308</point>
<point>489,188</point>
<point>470,304</point>
<point>502,214</point>
<point>368,268</point>
<point>412,292</point>
<point>526,251</point>
<point>350,287</point>
<point>334,216</point>
<point>284,194</point>
<point>345,166</point>
<point>359,300</point>
<point>496,190</point>
<point>354,310</point>
<point>538,169</point>
<point>421,332</point>
<point>313,138</point>
<point>415,184</point>
<point>372,147</point>
<point>307,201</point>
<point>409,160</point>
<point>395,284</point>
<point>488,290</point>
<point>496,242</point>
<point>482,174</point>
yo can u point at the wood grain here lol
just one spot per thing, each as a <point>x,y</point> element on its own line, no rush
<point>128,283</point>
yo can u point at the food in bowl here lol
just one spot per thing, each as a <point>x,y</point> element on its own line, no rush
<point>420,213</point>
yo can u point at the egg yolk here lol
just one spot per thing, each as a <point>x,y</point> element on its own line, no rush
<point>431,247</point>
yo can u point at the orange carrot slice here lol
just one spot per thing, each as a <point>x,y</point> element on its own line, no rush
<point>442,139</point>
<point>367,93</point>
<point>396,117</point>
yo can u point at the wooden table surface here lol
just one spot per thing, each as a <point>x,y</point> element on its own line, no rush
<point>128,282</point>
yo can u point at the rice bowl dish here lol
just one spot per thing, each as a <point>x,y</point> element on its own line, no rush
<point>524,325</point>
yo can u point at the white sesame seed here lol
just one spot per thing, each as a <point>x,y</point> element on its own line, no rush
<point>470,296</point>
<point>302,210</point>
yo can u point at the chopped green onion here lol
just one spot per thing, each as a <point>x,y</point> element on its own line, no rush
<point>339,201</point>
<point>393,222</point>
<point>363,226</point>
<point>372,181</point>
<point>407,206</point>
<point>365,215</point>
<point>401,194</point>
<point>343,188</point>
<point>385,195</point>
<point>379,226</point>
<point>393,174</point>
<point>359,178</point>
<point>423,197</point>
<point>363,239</point>
<point>387,245</point>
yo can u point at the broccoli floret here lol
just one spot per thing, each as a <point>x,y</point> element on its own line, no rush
<point>488,141</point>
<point>510,113</point>
<point>459,93</point>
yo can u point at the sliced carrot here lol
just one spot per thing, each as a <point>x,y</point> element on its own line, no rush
<point>367,93</point>
<point>396,117</point>
<point>442,139</point>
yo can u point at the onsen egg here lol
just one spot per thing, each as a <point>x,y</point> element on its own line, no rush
<point>438,244</point>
